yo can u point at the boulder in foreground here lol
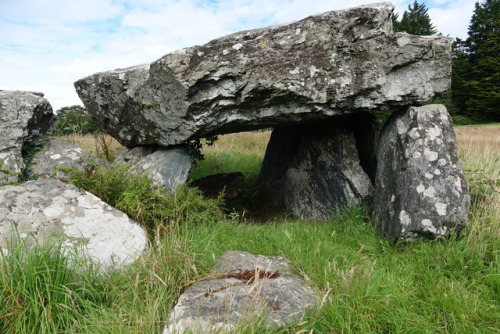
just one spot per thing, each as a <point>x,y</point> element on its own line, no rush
<point>43,209</point>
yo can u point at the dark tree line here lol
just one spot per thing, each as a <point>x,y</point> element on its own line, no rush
<point>475,87</point>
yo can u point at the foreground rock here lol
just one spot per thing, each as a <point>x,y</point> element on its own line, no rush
<point>325,65</point>
<point>24,116</point>
<point>420,188</point>
<point>219,305</point>
<point>58,153</point>
<point>314,171</point>
<point>46,208</point>
<point>165,167</point>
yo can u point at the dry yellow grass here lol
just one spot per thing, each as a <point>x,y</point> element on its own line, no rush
<point>99,145</point>
<point>253,142</point>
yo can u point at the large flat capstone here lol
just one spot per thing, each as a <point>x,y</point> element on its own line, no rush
<point>48,208</point>
<point>325,65</point>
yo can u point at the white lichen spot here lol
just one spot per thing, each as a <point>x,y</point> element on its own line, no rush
<point>458,183</point>
<point>297,32</point>
<point>295,71</point>
<point>437,172</point>
<point>313,70</point>
<point>414,134</point>
<point>400,126</point>
<point>441,208</point>
<point>420,188</point>
<point>23,235</point>
<point>416,155</point>
<point>404,218</point>
<point>442,162</point>
<point>53,211</point>
<point>434,132</point>
<point>430,192</point>
<point>430,155</point>
<point>393,198</point>
<point>426,222</point>
<point>200,53</point>
<point>237,46</point>
<point>225,52</point>
<point>55,156</point>
<point>429,175</point>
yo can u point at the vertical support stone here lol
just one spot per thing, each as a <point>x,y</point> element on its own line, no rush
<point>420,186</point>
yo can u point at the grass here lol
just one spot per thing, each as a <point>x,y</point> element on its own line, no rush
<point>367,284</point>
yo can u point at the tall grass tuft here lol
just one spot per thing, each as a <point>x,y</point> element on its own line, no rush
<point>47,288</point>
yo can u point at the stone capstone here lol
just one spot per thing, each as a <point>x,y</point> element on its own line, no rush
<point>420,187</point>
<point>325,65</point>
<point>48,208</point>
<point>165,167</point>
<point>314,171</point>
<point>58,153</point>
<point>221,304</point>
<point>212,186</point>
<point>24,117</point>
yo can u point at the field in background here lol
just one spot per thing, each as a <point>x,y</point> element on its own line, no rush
<point>366,284</point>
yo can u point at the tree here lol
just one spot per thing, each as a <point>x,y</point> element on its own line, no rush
<point>483,43</point>
<point>74,119</point>
<point>415,21</point>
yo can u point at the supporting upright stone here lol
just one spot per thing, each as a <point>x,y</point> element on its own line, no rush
<point>318,174</point>
<point>420,187</point>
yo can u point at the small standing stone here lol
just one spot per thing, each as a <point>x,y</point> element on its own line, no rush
<point>420,186</point>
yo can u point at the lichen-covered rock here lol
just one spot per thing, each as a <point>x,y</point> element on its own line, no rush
<point>166,167</point>
<point>313,171</point>
<point>58,153</point>
<point>48,208</point>
<point>324,65</point>
<point>24,116</point>
<point>230,184</point>
<point>420,187</point>
<point>219,305</point>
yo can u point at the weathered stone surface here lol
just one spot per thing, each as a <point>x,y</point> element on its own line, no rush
<point>313,171</point>
<point>230,183</point>
<point>325,65</point>
<point>45,208</point>
<point>166,167</point>
<point>279,300</point>
<point>24,116</point>
<point>62,154</point>
<point>420,188</point>
<point>133,155</point>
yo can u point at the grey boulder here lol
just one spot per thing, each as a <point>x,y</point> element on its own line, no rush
<point>58,153</point>
<point>24,117</point>
<point>328,64</point>
<point>420,188</point>
<point>44,209</point>
<point>165,167</point>
<point>219,305</point>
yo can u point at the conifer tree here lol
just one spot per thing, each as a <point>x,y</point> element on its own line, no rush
<point>415,20</point>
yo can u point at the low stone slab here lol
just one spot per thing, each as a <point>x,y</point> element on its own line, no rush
<point>43,209</point>
<point>166,167</point>
<point>24,116</point>
<point>220,304</point>
<point>62,154</point>
<point>420,187</point>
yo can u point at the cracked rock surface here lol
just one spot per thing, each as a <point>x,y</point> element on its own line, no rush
<point>24,116</point>
<point>278,300</point>
<point>420,186</point>
<point>325,65</point>
<point>43,209</point>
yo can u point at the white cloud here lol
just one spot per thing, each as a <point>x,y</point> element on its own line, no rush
<point>46,45</point>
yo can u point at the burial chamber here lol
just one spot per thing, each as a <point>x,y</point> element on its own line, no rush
<point>314,81</point>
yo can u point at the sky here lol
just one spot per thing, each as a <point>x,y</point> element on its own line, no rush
<point>47,45</point>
